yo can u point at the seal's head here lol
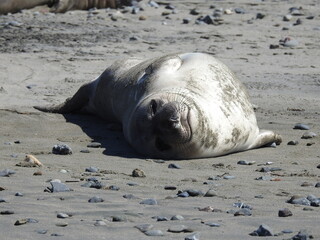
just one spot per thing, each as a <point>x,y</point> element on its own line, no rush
<point>163,125</point>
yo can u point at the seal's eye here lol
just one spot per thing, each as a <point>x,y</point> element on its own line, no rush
<point>153,107</point>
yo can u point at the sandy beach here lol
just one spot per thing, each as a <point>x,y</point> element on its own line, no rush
<point>46,57</point>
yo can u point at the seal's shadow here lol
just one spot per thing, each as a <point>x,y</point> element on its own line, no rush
<point>97,129</point>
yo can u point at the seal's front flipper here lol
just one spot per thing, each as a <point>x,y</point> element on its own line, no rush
<point>266,138</point>
<point>74,104</point>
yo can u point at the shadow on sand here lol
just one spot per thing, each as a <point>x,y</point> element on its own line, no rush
<point>100,131</point>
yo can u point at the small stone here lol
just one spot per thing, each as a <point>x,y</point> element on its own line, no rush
<point>317,185</point>
<point>85,151</point>
<point>95,199</point>
<point>119,219</point>
<point>21,222</point>
<point>193,236</point>
<point>177,228</point>
<point>301,126</point>
<point>299,201</point>
<point>177,217</point>
<point>262,231</point>
<point>194,11</point>
<point>186,20</point>
<point>113,188</point>
<point>210,193</point>
<point>161,218</point>
<point>228,177</point>
<point>206,209</point>
<point>239,11</point>
<point>174,165</point>
<point>287,17</point>
<point>18,194</point>
<point>142,18</point>
<point>92,169</point>
<point>242,205</point>
<point>94,145</point>
<point>294,142</point>
<point>273,46</point>
<point>287,231</point>
<point>7,212</point>
<point>194,193</point>
<point>154,233</point>
<point>58,187</point>
<point>100,223</point>
<point>302,235</point>
<point>2,200</point>
<point>260,16</point>
<point>138,173</point>
<point>308,135</point>
<point>244,162</point>
<point>170,187</point>
<point>243,212</point>
<point>285,212</point>
<point>149,201</point>
<point>61,149</point>
<point>6,173</point>
<point>129,196</point>
<point>144,227</point>
<point>183,194</point>
<point>212,224</point>
<point>62,215</point>
<point>306,184</point>
<point>132,184</point>
<point>289,42</point>
<point>62,224</point>
<point>37,173</point>
<point>63,171</point>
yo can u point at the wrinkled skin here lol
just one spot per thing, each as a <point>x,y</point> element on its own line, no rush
<point>59,6</point>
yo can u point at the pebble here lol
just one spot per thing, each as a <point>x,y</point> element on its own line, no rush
<point>94,145</point>
<point>63,171</point>
<point>42,231</point>
<point>58,187</point>
<point>21,222</point>
<point>100,223</point>
<point>289,42</point>
<point>170,187</point>
<point>61,149</point>
<point>244,162</point>
<point>212,224</point>
<point>149,201</point>
<point>239,11</point>
<point>62,224</point>
<point>153,4</point>
<point>264,178</point>
<point>293,142</point>
<point>38,173</point>
<point>287,231</point>
<point>138,173</point>
<point>132,184</point>
<point>194,193</point>
<point>95,199</point>
<point>308,135</point>
<point>306,184</point>
<point>161,218</point>
<point>242,205</point>
<point>177,228</point>
<point>243,212</point>
<point>7,212</point>
<point>129,196</point>
<point>318,166</point>
<point>6,173</point>
<point>186,20</point>
<point>299,200</point>
<point>144,227</point>
<point>2,200</point>
<point>114,188</point>
<point>228,177</point>
<point>260,16</point>
<point>174,165</point>
<point>301,126</point>
<point>285,212</point>
<point>177,217</point>
<point>263,231</point>
<point>194,11</point>
<point>62,215</point>
<point>154,233</point>
<point>18,194</point>
<point>92,169</point>
<point>317,185</point>
<point>287,17</point>
<point>210,193</point>
<point>85,151</point>
<point>119,218</point>
<point>183,194</point>
<point>193,236</point>
<point>302,235</point>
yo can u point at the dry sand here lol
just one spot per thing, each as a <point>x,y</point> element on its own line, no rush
<point>44,58</point>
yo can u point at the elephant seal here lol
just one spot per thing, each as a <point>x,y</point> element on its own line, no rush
<point>178,106</point>
<point>61,6</point>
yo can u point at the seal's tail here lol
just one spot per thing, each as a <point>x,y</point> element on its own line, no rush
<point>76,103</point>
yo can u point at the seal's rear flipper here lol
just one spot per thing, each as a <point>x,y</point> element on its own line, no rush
<point>73,104</point>
<point>266,138</point>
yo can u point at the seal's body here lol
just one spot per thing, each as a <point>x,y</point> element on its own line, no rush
<point>174,107</point>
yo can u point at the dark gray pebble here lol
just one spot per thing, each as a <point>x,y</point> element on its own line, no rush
<point>95,199</point>
<point>294,142</point>
<point>301,126</point>
<point>6,173</point>
<point>239,11</point>
<point>58,187</point>
<point>94,145</point>
<point>317,184</point>
<point>263,231</point>
<point>119,218</point>
<point>63,215</point>
<point>302,235</point>
<point>318,166</point>
<point>132,184</point>
<point>170,187</point>
<point>129,196</point>
<point>149,201</point>
<point>260,16</point>
<point>2,200</point>
<point>244,162</point>
<point>114,188</point>
<point>18,194</point>
<point>177,218</point>
<point>299,200</point>
<point>194,193</point>
<point>85,151</point>
<point>7,212</point>
<point>186,20</point>
<point>161,218</point>
<point>174,165</point>
<point>61,149</point>
<point>212,224</point>
<point>193,236</point>
<point>285,212</point>
<point>92,169</point>
<point>177,228</point>
<point>56,235</point>
<point>93,184</point>
<point>194,11</point>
